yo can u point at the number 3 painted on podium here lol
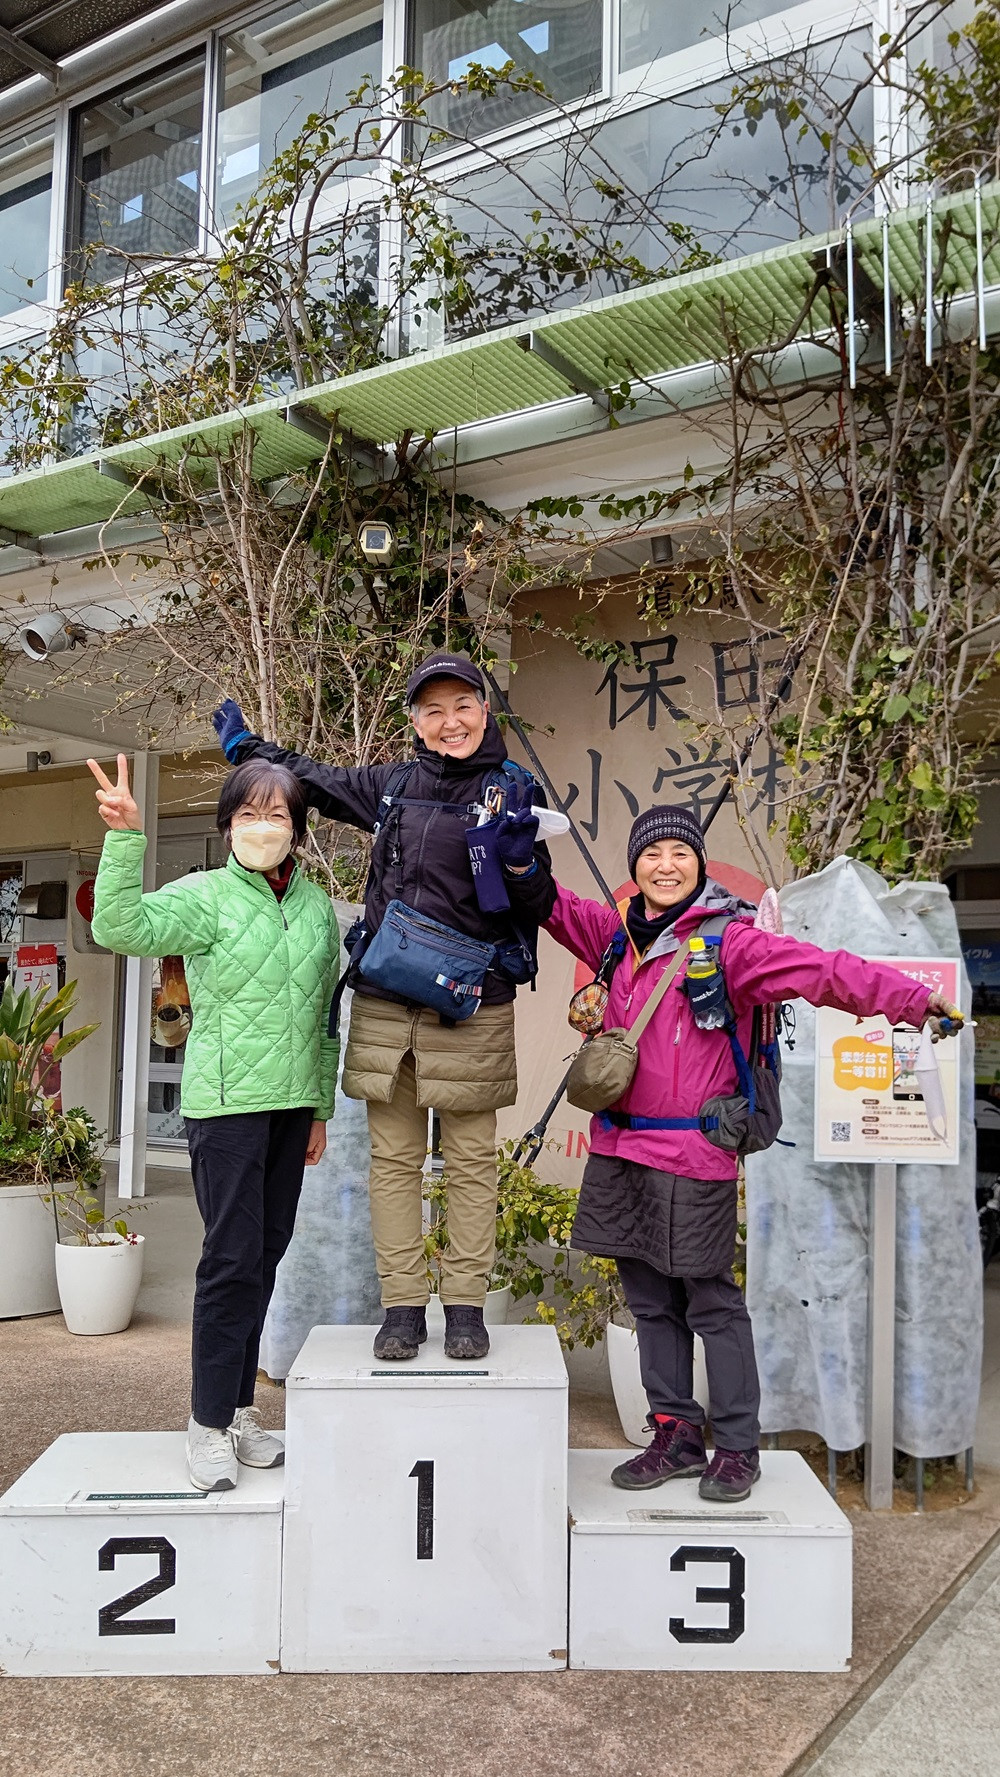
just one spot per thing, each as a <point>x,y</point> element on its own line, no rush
<point>423,1474</point>
<point>733,1594</point>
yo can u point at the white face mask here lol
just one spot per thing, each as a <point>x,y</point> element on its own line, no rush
<point>261,845</point>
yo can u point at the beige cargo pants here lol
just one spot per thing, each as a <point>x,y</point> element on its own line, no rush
<point>405,1062</point>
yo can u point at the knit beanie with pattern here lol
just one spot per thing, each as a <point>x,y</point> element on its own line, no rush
<point>665,823</point>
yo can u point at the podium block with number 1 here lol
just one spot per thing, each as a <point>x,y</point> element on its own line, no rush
<point>425,1515</point>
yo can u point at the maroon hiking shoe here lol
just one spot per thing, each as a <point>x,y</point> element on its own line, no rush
<point>677,1448</point>
<point>730,1475</point>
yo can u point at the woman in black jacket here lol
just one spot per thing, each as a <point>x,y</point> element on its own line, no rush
<point>401,1057</point>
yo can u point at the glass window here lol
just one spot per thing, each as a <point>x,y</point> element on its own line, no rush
<point>138,158</point>
<point>278,72</point>
<point>650,29</point>
<point>742,184</point>
<point>25,207</point>
<point>560,41</point>
<point>695,171</point>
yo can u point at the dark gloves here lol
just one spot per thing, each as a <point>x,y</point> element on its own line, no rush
<point>230,725</point>
<point>516,835</point>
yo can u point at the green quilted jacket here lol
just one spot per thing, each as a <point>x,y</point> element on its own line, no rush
<point>260,973</point>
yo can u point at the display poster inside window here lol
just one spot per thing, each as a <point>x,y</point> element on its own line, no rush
<point>884,1092</point>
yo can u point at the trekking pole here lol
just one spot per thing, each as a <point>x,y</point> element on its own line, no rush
<point>557,800</point>
<point>530,1145</point>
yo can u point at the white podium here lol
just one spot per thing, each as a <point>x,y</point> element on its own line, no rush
<point>665,1581</point>
<point>425,1510</point>
<point>111,1563</point>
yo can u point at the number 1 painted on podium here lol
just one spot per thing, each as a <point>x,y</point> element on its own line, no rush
<point>423,1474</point>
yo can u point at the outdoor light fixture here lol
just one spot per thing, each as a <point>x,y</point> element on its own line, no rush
<point>377,544</point>
<point>50,633</point>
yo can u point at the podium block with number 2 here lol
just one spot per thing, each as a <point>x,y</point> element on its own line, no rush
<point>110,1562</point>
<point>425,1514</point>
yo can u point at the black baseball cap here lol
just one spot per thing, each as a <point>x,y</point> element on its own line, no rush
<point>445,666</point>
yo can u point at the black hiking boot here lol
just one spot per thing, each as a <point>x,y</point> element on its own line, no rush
<point>401,1334</point>
<point>677,1448</point>
<point>730,1475</point>
<point>465,1332</point>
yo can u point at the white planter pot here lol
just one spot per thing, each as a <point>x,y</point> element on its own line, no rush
<point>27,1264</point>
<point>98,1285</point>
<point>495,1310</point>
<point>630,1396</point>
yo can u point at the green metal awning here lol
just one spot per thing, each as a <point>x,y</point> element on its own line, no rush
<point>678,323</point>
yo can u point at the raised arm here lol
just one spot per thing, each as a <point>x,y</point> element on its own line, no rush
<point>179,920</point>
<point>340,792</point>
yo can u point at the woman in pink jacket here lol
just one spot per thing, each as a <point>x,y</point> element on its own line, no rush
<point>661,1200</point>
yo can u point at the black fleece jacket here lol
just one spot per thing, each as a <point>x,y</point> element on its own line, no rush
<point>433,874</point>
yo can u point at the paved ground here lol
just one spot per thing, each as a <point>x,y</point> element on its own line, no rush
<point>938,1712</point>
<point>625,1724</point>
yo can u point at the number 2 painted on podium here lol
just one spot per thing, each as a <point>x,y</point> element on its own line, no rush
<point>423,1474</point>
<point>111,1618</point>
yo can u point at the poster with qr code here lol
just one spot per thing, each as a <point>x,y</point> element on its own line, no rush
<point>870,1103</point>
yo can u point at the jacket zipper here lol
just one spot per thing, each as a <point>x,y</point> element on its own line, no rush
<point>470,948</point>
<point>222,1063</point>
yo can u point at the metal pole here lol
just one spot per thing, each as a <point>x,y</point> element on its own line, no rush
<point>980,272</point>
<point>886,296</point>
<point>852,355</point>
<point>138,1001</point>
<point>929,282</point>
<point>881,1338</point>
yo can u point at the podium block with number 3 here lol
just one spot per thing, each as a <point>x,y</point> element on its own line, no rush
<point>425,1516</point>
<point>111,1563</point>
<point>665,1581</point>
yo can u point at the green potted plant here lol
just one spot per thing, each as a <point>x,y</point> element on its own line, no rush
<point>98,1258</point>
<point>39,1146</point>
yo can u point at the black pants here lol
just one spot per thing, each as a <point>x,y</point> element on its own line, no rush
<point>247,1177</point>
<point>668,1312</point>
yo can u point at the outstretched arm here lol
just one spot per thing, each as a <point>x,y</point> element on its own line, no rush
<point>763,966</point>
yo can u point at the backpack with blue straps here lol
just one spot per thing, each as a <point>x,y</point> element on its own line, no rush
<point>742,1122</point>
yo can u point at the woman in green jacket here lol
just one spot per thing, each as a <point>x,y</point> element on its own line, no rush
<point>261,950</point>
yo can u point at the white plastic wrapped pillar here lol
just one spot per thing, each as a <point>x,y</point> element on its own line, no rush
<point>807,1224</point>
<point>327,1277</point>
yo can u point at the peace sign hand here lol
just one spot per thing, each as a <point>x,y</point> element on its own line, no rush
<point>118,810</point>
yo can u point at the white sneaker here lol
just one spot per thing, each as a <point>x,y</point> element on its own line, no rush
<point>255,1446</point>
<point>211,1458</point>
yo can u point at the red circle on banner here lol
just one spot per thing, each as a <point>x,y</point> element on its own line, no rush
<point>737,881</point>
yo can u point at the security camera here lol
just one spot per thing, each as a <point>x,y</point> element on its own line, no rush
<point>50,633</point>
<point>377,544</point>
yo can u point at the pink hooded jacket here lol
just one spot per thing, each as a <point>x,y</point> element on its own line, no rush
<point>681,1066</point>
